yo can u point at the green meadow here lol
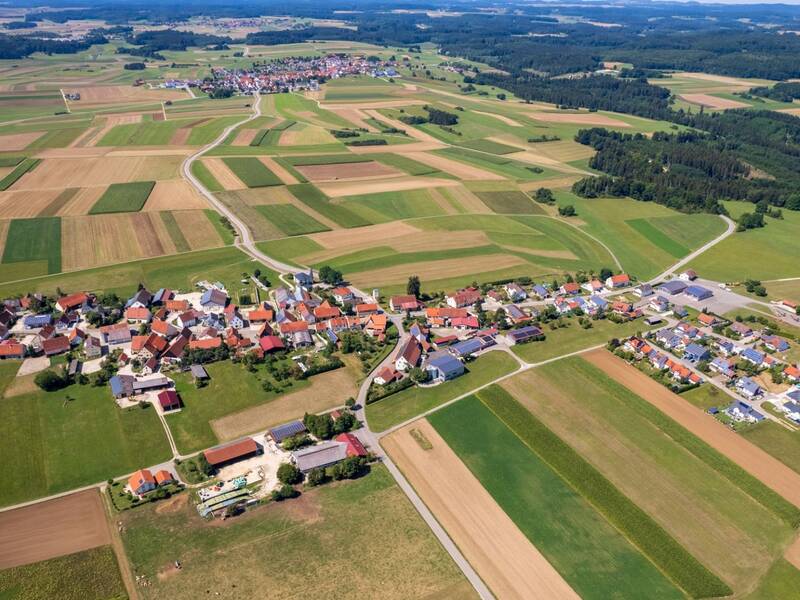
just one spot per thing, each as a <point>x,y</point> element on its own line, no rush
<point>43,440</point>
<point>123,197</point>
<point>592,556</point>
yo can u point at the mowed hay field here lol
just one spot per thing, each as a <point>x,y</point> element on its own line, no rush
<point>716,518</point>
<point>174,195</point>
<point>60,173</point>
<point>269,548</point>
<point>90,241</point>
<point>595,559</point>
<point>503,557</point>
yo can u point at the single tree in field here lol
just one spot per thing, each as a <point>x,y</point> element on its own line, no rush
<point>413,286</point>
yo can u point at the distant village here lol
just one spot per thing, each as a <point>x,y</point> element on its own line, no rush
<point>288,74</point>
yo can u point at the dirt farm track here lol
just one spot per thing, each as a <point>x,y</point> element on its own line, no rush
<point>54,528</point>
<point>773,473</point>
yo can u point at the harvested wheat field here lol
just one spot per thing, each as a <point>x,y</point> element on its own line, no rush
<point>554,183</point>
<point>82,202</point>
<point>338,189</point>
<point>120,94</point>
<point>60,173</point>
<point>504,558</point>
<point>279,170</point>
<point>224,176</point>
<point>580,118</point>
<point>260,196</point>
<point>356,117</point>
<point>769,470</point>
<point>463,171</point>
<point>3,236</point>
<point>468,201</point>
<point>375,104</point>
<point>315,398</point>
<point>306,135</point>
<point>411,131</point>
<point>175,194</point>
<point>710,101</point>
<point>363,237</point>
<point>442,201</point>
<point>53,528</point>
<point>399,149</point>
<point>434,240</point>
<point>83,152</point>
<point>197,229</point>
<point>244,137</point>
<point>180,137</point>
<point>91,241</point>
<point>25,204</point>
<point>436,269</point>
<point>356,170</point>
<point>503,118</point>
<point>19,141</point>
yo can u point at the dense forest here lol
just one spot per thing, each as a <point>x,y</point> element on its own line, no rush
<point>739,155</point>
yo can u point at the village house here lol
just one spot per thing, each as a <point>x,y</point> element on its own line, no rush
<point>37,321</point>
<point>515,292</point>
<point>709,320</point>
<point>441,317</point>
<point>540,291</point>
<point>386,375</point>
<point>748,387</point>
<point>403,303</point>
<point>696,353</point>
<point>741,329</point>
<point>213,300</point>
<point>753,356</point>
<point>56,345</point>
<point>141,299</point>
<point>77,301</point>
<point>569,289</point>
<point>741,411</point>
<point>138,314</point>
<point>724,367</point>
<point>92,347</point>
<point>618,281</point>
<point>688,275</point>
<point>142,482</point>
<point>462,298</point>
<point>775,343</point>
<point>354,445</point>
<point>343,295</point>
<point>595,286</point>
<point>643,291</point>
<point>792,373</point>
<point>409,355</point>
<point>232,316</point>
<point>444,367</point>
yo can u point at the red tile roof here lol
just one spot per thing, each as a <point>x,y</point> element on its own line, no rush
<point>354,445</point>
<point>140,477</point>
<point>261,314</point>
<point>169,399</point>
<point>72,300</point>
<point>271,342</point>
<point>294,327</point>
<point>177,305</point>
<point>206,344</point>
<point>11,348</point>
<point>223,454</point>
<point>56,345</point>
<point>138,313</point>
<point>164,476</point>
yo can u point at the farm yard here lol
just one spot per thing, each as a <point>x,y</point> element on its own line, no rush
<point>405,560</point>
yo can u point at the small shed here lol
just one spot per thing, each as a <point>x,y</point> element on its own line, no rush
<point>199,372</point>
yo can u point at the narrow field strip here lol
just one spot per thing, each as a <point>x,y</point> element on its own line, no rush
<point>764,478</point>
<point>633,522</point>
<point>504,558</point>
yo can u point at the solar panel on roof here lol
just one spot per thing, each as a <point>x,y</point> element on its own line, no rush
<point>287,430</point>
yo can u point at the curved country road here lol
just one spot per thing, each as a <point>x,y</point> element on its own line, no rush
<point>244,241</point>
